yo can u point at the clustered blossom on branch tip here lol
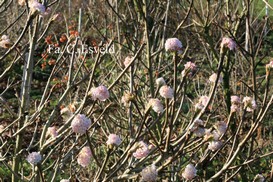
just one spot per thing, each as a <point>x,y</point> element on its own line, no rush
<point>198,128</point>
<point>166,92</point>
<point>221,127</point>
<point>215,145</point>
<point>189,68</point>
<point>80,123</point>
<point>142,150</point>
<point>160,81</point>
<point>34,6</point>
<point>156,105</point>
<point>99,93</point>
<point>113,139</point>
<point>34,158</point>
<point>203,100</point>
<point>149,174</point>
<point>189,172</point>
<point>235,103</point>
<point>173,44</point>
<point>52,132</point>
<point>249,104</point>
<point>84,156</point>
<point>228,43</point>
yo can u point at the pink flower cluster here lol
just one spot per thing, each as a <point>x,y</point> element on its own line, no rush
<point>215,145</point>
<point>5,42</point>
<point>52,131</point>
<point>229,43</point>
<point>156,105</point>
<point>166,92</point>
<point>189,68</point>
<point>198,128</point>
<point>173,44</point>
<point>149,174</point>
<point>235,103</point>
<point>99,93</point>
<point>84,156</point>
<point>34,158</point>
<point>189,172</point>
<point>160,81</point>
<point>203,100</point>
<point>249,104</point>
<point>113,139</point>
<point>80,123</point>
<point>221,127</point>
<point>142,150</point>
<point>34,6</point>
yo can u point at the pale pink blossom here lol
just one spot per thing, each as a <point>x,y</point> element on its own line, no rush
<point>213,78</point>
<point>160,81</point>
<point>113,139</point>
<point>221,127</point>
<point>189,172</point>
<point>214,145</point>
<point>149,174</point>
<point>198,122</point>
<point>99,93</point>
<point>52,131</point>
<point>34,6</point>
<point>173,44</point>
<point>199,131</point>
<point>216,135</point>
<point>201,102</point>
<point>84,156</point>
<point>34,158</point>
<point>249,104</point>
<point>235,99</point>
<point>5,42</point>
<point>80,123</point>
<point>189,67</point>
<point>234,108</point>
<point>142,150</point>
<point>127,61</point>
<point>228,43</point>
<point>208,135</point>
<point>166,92</point>
<point>156,105</point>
<point>197,128</point>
